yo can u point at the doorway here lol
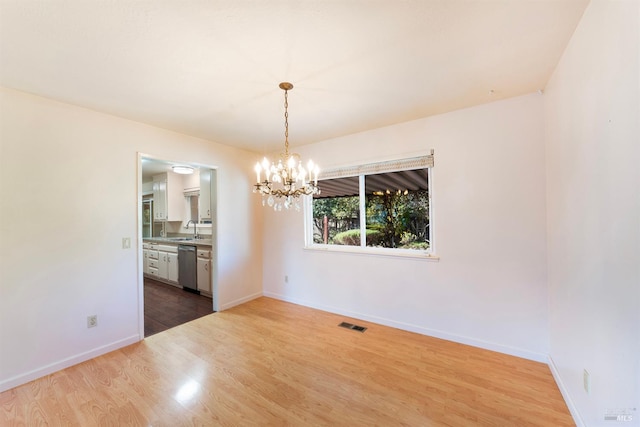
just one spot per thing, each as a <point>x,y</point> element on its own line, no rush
<point>177,205</point>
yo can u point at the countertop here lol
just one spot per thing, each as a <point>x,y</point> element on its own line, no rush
<point>178,241</point>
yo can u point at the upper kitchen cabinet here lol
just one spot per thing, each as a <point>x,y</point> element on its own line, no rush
<point>204,201</point>
<point>167,197</point>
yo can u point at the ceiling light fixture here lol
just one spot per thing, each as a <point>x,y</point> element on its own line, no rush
<point>182,170</point>
<point>287,180</point>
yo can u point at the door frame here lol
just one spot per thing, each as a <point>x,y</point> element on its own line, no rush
<point>139,240</point>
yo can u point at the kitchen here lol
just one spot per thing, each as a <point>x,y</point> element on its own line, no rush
<point>178,230</point>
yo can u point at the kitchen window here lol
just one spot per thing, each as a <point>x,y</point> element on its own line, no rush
<point>380,208</point>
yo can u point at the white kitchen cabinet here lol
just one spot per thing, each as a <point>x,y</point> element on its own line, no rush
<point>204,271</point>
<point>145,261</point>
<point>204,200</point>
<point>151,259</point>
<point>172,267</point>
<point>168,263</point>
<point>167,197</point>
<point>153,268</point>
<point>160,197</point>
<point>162,264</point>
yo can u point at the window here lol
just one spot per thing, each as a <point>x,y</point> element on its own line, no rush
<point>379,207</point>
<point>192,208</point>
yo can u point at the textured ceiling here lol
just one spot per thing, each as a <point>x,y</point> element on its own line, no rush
<point>211,68</point>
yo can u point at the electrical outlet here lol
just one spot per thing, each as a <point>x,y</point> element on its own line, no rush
<point>92,321</point>
<point>586,380</point>
<point>126,242</point>
<point>286,279</point>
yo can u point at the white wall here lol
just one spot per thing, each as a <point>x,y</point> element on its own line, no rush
<point>489,287</point>
<point>68,191</point>
<point>593,199</point>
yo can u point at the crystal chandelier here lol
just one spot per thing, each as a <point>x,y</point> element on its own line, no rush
<point>281,184</point>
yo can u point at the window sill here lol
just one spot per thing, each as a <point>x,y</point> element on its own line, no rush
<point>359,250</point>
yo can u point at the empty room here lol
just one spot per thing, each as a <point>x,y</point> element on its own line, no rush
<point>354,212</point>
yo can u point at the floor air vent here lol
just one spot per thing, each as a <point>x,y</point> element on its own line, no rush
<point>352,326</point>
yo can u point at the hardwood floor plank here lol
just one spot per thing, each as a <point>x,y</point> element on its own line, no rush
<point>268,362</point>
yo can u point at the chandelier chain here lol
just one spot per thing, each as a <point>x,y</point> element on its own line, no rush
<point>286,123</point>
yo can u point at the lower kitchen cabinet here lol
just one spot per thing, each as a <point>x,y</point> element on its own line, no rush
<point>145,261</point>
<point>168,263</point>
<point>204,271</point>
<point>152,260</point>
<point>160,262</point>
<point>172,267</point>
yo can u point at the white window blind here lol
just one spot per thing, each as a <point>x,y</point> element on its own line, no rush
<point>192,192</point>
<point>379,167</point>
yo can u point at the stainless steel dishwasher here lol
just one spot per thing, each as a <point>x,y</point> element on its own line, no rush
<point>187,268</point>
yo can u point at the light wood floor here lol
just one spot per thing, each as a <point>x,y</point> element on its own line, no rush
<point>268,362</point>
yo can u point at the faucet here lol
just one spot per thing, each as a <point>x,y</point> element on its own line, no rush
<point>195,228</point>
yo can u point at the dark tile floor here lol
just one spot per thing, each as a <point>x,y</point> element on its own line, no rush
<point>166,306</point>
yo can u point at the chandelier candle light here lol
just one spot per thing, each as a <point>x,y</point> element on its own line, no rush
<point>287,180</point>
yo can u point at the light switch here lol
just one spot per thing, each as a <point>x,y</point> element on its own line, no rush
<point>126,242</point>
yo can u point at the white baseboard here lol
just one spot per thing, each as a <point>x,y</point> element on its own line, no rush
<point>512,351</point>
<point>240,301</point>
<point>565,394</point>
<point>65,363</point>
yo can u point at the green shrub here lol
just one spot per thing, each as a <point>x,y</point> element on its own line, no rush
<point>407,238</point>
<point>349,237</point>
<point>417,245</point>
<point>352,237</point>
